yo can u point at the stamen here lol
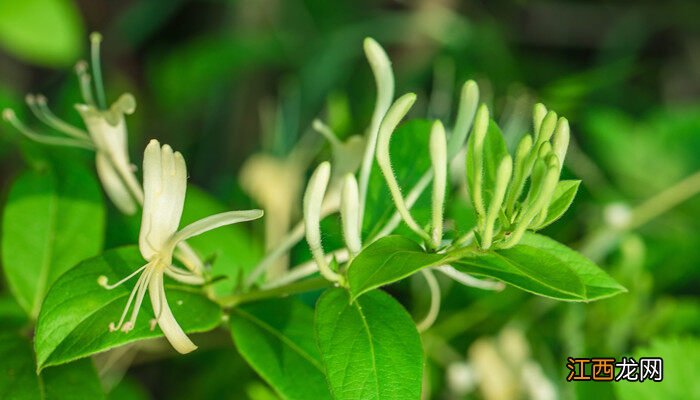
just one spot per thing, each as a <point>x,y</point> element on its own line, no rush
<point>42,111</point>
<point>9,116</point>
<point>139,283</point>
<point>326,132</point>
<point>103,281</point>
<point>95,40</point>
<point>184,276</point>
<point>81,69</point>
<point>139,300</point>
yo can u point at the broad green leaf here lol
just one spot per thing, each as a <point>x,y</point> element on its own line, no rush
<point>494,151</point>
<point>524,268</point>
<point>276,337</point>
<point>46,32</point>
<point>19,380</point>
<point>564,195</point>
<point>681,357</point>
<point>76,314</point>
<point>232,250</point>
<point>410,159</point>
<point>370,348</point>
<point>544,267</point>
<point>388,260</point>
<point>53,219</point>
<point>597,282</point>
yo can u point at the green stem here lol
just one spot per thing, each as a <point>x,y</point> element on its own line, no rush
<point>282,291</point>
<point>665,201</point>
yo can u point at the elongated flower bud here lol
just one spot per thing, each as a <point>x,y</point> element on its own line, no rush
<point>481,124</point>
<point>397,111</point>
<point>547,128</point>
<point>505,169</point>
<point>313,200</point>
<point>560,141</point>
<point>349,213</point>
<point>545,150</point>
<point>468,101</point>
<point>521,170</point>
<point>384,79</point>
<point>542,195</point>
<point>438,157</point>
<point>538,113</point>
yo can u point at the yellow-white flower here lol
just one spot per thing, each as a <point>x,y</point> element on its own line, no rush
<point>107,130</point>
<point>164,184</point>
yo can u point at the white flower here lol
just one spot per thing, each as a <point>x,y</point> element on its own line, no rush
<point>164,184</point>
<point>107,130</point>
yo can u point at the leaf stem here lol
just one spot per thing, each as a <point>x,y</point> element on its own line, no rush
<point>282,291</point>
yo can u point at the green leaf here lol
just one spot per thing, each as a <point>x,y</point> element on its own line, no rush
<point>276,338</point>
<point>544,267</point>
<point>46,32</point>
<point>410,159</point>
<point>18,378</point>
<point>233,250</point>
<point>76,314</point>
<point>681,357</point>
<point>564,195</point>
<point>494,151</point>
<point>370,348</point>
<point>53,219</point>
<point>388,260</point>
<point>598,283</point>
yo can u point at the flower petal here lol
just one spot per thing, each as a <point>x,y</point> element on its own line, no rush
<point>114,186</point>
<point>215,221</point>
<point>164,184</point>
<point>164,316</point>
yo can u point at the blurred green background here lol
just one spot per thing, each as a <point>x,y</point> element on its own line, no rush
<point>222,80</point>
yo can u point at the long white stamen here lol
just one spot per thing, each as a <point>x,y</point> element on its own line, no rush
<point>326,132</point>
<point>102,280</point>
<point>139,300</point>
<point>184,276</point>
<point>134,291</point>
<point>95,40</point>
<point>81,69</point>
<point>9,116</point>
<point>39,107</point>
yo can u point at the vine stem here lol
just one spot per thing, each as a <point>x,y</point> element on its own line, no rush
<point>281,291</point>
<point>664,201</point>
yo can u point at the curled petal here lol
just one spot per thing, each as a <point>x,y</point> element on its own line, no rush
<point>164,316</point>
<point>114,186</point>
<point>215,221</point>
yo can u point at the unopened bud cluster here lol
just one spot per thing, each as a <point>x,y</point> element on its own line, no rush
<point>512,194</point>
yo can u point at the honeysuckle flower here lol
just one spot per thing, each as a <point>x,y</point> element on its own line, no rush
<point>107,129</point>
<point>106,132</point>
<point>164,186</point>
